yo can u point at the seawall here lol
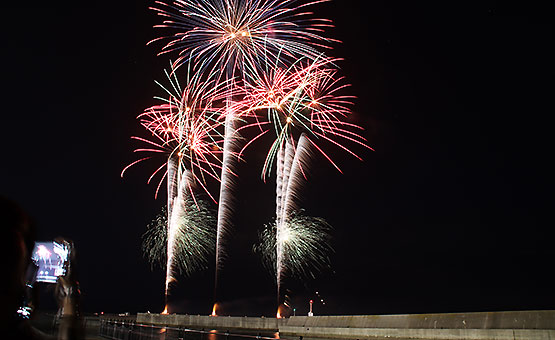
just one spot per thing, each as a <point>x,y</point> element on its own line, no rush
<point>210,322</point>
<point>525,325</point>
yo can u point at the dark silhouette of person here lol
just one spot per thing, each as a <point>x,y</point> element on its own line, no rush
<point>18,238</point>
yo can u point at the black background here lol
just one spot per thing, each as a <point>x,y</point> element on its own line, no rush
<point>450,213</point>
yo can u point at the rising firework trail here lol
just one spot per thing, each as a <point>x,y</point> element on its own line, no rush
<point>178,213</point>
<point>226,190</point>
<point>295,169</point>
<point>293,161</point>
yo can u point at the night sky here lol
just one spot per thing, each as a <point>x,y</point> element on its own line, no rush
<point>452,212</point>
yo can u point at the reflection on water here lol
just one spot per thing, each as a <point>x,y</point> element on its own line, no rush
<point>171,334</point>
<point>131,331</point>
<point>212,335</point>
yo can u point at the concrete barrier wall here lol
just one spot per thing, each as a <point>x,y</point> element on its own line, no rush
<point>408,333</point>
<point>481,320</point>
<point>209,322</point>
<point>529,325</point>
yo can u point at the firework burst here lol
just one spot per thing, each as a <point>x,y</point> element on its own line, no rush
<point>185,130</point>
<point>303,98</point>
<point>249,57</point>
<point>239,32</point>
<point>228,36</point>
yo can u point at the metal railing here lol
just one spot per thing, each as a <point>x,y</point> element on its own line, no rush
<point>122,330</point>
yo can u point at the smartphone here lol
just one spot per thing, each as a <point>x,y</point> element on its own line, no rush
<point>50,258</point>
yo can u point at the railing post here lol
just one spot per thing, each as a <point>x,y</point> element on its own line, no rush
<point>130,332</point>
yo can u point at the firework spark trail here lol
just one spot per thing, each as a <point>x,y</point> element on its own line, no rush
<point>172,184</point>
<point>284,161</point>
<point>296,176</point>
<point>279,182</point>
<point>226,187</point>
<point>173,194</point>
<point>305,243</point>
<point>290,154</point>
<point>229,159</point>
<point>279,221</point>
<point>194,237</point>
